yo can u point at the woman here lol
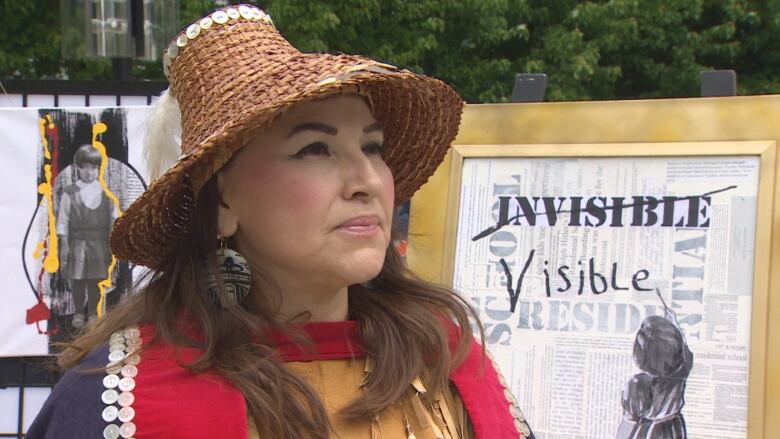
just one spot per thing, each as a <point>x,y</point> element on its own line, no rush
<point>278,306</point>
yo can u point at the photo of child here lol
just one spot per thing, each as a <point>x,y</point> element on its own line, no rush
<point>84,183</point>
<point>83,225</point>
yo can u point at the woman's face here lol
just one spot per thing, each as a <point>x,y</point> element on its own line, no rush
<point>310,201</point>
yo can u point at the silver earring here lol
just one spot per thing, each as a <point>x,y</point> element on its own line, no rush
<point>235,273</point>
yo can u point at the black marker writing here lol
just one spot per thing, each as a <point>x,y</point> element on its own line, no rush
<point>596,209</point>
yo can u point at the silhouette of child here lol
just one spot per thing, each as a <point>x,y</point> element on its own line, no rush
<point>653,399</point>
<point>84,222</point>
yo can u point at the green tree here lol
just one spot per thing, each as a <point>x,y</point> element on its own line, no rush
<point>599,49</point>
<point>638,48</point>
<point>30,45</point>
<point>611,49</point>
<point>472,44</point>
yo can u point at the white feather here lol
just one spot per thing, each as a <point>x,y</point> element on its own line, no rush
<point>162,141</point>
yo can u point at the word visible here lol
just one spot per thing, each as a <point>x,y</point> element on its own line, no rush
<point>597,283</point>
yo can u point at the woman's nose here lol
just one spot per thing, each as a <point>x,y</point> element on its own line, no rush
<point>361,177</point>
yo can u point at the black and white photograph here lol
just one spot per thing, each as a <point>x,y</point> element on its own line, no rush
<point>84,181</point>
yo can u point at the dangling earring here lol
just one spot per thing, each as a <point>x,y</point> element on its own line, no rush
<point>234,271</point>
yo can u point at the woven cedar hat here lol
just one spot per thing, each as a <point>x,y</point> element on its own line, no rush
<point>233,74</point>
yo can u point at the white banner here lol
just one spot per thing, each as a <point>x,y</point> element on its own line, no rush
<point>615,292</point>
<point>55,217</point>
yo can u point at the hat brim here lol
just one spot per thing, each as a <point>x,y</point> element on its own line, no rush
<point>420,116</point>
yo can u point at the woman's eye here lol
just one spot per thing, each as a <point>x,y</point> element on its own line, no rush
<point>316,148</point>
<point>373,148</point>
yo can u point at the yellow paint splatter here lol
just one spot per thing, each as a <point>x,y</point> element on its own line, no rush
<point>38,250</point>
<point>105,284</point>
<point>52,262</point>
<point>42,124</point>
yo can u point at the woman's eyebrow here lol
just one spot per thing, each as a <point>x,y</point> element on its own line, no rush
<point>376,126</point>
<point>313,126</point>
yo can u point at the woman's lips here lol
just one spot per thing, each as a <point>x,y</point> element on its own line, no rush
<point>360,226</point>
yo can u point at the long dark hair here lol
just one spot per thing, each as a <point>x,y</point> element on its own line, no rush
<point>659,347</point>
<point>394,315</point>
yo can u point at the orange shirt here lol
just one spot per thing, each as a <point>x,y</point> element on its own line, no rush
<point>337,382</point>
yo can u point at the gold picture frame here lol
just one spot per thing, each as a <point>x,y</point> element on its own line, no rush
<point>740,126</point>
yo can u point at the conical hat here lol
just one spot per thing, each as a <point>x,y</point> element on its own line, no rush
<point>233,74</point>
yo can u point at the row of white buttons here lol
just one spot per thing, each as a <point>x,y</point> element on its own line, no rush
<point>520,422</point>
<point>218,17</point>
<point>122,360</point>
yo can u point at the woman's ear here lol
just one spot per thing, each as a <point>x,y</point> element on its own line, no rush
<point>227,222</point>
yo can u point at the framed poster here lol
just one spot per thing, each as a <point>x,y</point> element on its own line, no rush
<point>624,287</point>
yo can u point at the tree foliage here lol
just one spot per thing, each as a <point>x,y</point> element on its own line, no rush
<point>600,49</point>
<point>30,45</point>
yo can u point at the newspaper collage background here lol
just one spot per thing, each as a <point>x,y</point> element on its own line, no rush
<point>568,355</point>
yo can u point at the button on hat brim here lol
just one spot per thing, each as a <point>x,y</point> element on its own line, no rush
<point>206,22</point>
<point>233,13</point>
<point>246,12</point>
<point>220,17</point>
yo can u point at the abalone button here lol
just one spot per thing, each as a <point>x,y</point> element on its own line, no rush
<point>509,397</point>
<point>110,381</point>
<point>516,412</point>
<point>233,13</point>
<point>111,431</point>
<point>110,413</point>
<point>126,414</point>
<point>109,396</point>
<point>206,23</point>
<point>193,31</point>
<point>220,17</point>
<point>127,430</point>
<point>130,371</point>
<point>173,51</point>
<point>126,384</point>
<point>245,12</point>
<point>126,399</point>
<point>522,427</point>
